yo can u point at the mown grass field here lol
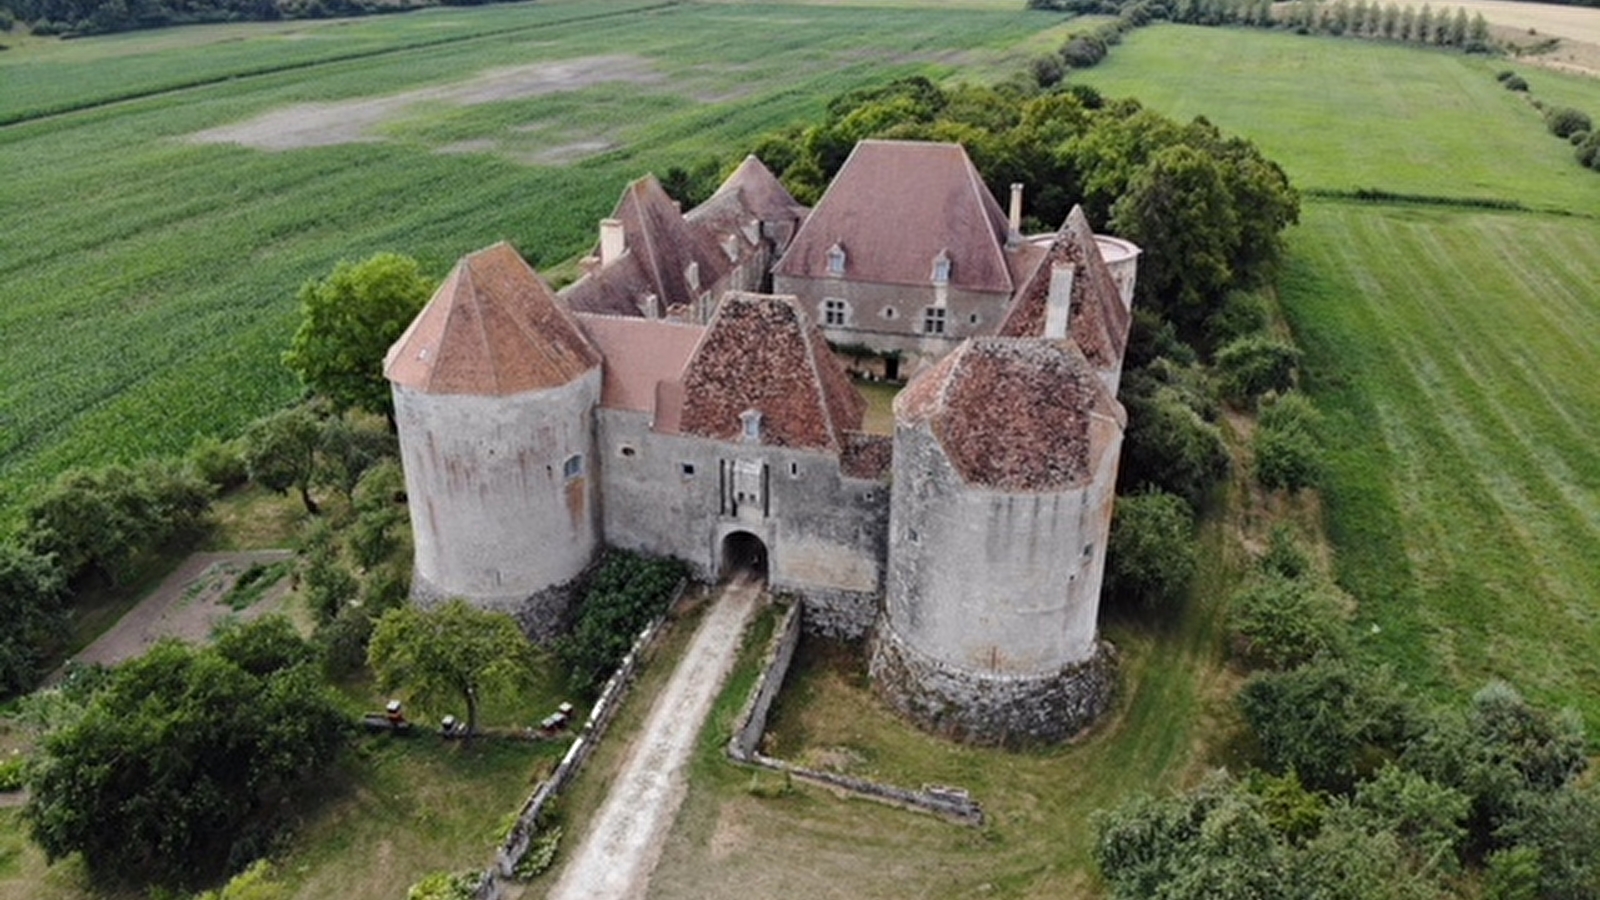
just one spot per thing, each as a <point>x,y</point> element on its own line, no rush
<point>151,279</point>
<point>1449,346</point>
<point>1339,114</point>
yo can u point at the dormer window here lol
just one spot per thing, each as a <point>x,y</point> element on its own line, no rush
<point>751,420</point>
<point>941,268</point>
<point>836,260</point>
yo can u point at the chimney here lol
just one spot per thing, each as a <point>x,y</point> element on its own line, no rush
<point>612,242</point>
<point>1058,303</point>
<point>1015,219</point>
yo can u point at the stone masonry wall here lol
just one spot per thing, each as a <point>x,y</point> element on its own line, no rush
<point>986,708</point>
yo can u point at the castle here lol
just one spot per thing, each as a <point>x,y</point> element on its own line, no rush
<point>665,403</point>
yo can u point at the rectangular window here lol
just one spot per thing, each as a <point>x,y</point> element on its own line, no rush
<point>833,312</point>
<point>573,467</point>
<point>688,470</point>
<point>933,320</point>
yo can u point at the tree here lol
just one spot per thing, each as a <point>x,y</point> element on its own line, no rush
<point>454,651</point>
<point>348,320</point>
<point>31,590</point>
<point>280,452</point>
<point>1151,553</point>
<point>1169,444</point>
<point>1325,721</point>
<point>179,767</point>
<point>1180,203</point>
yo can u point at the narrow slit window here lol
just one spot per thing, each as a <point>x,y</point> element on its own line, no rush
<point>573,467</point>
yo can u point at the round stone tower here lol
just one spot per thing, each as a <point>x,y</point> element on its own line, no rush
<point>1005,461</point>
<point>494,388</point>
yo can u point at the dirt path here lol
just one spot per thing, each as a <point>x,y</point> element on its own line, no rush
<point>615,859</point>
<point>186,605</point>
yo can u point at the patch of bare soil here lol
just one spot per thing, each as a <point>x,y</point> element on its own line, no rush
<point>358,121</point>
<point>188,605</point>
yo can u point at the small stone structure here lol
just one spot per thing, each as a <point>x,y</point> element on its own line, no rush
<point>662,404</point>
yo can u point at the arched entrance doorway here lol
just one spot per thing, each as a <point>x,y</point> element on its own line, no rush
<point>743,552</point>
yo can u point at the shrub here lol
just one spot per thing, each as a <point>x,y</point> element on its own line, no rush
<point>1255,364</point>
<point>625,593</point>
<point>1564,121</point>
<point>445,886</point>
<point>1281,623</point>
<point>1287,459</point>
<point>1083,51</point>
<point>1588,152</point>
<point>1048,70</point>
<point>1169,444</point>
<point>1151,554</point>
<point>1516,83</point>
<point>1327,720</point>
<point>1503,75</point>
<point>1241,313</point>
<point>1285,557</point>
<point>218,463</point>
<point>1578,137</point>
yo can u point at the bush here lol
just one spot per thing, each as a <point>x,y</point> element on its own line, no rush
<point>1255,364</point>
<point>1242,313</point>
<point>1151,554</point>
<point>1083,51</point>
<point>1287,459</point>
<point>1588,152</point>
<point>445,886</point>
<point>1328,721</point>
<point>1516,83</point>
<point>218,463</point>
<point>1169,444</point>
<point>1564,121</point>
<point>626,592</point>
<point>1281,623</point>
<point>1285,557</point>
<point>1503,75</point>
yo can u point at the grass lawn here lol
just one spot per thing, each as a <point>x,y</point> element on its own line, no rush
<point>152,278</point>
<point>740,835</point>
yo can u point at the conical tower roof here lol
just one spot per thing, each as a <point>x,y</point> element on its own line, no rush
<point>492,329</point>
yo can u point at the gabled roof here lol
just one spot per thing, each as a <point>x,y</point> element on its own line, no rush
<point>893,207</point>
<point>493,328</point>
<point>761,353</point>
<point>1099,322</point>
<point>1014,414</point>
<point>655,234</point>
<point>755,192</point>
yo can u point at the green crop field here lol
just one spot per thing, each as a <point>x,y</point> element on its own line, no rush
<point>1449,346</point>
<point>151,275</point>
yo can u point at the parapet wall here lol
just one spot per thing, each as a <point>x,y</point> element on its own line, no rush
<point>988,707</point>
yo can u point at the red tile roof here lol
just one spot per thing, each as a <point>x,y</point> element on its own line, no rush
<point>1014,414</point>
<point>751,192</point>
<point>761,353</point>
<point>1099,322</point>
<point>893,208</point>
<point>639,355</point>
<point>866,455</point>
<point>493,328</point>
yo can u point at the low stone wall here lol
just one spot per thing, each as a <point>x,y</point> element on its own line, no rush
<point>494,881</point>
<point>752,721</point>
<point>952,803</point>
<point>840,615</point>
<point>993,708</point>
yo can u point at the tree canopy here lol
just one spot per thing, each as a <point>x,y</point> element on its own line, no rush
<point>176,770</point>
<point>452,652</point>
<point>347,322</point>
